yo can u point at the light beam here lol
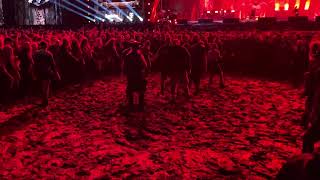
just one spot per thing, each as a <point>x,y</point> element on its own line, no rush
<point>71,10</point>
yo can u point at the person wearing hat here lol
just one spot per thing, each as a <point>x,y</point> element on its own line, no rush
<point>312,91</point>
<point>45,70</point>
<point>135,67</point>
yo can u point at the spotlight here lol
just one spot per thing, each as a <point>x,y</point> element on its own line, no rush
<point>130,19</point>
<point>307,5</point>
<point>277,7</point>
<point>286,6</point>
<point>86,5</point>
<point>120,11</point>
<point>80,9</point>
<point>71,10</point>
<point>133,11</point>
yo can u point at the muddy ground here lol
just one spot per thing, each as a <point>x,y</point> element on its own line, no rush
<point>245,131</point>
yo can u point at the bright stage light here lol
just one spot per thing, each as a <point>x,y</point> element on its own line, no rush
<point>120,11</point>
<point>133,11</point>
<point>113,17</point>
<point>131,15</point>
<point>80,9</point>
<point>277,7</point>
<point>91,8</point>
<point>233,11</point>
<point>297,4</point>
<point>130,19</point>
<point>286,6</point>
<point>307,5</point>
<point>71,10</point>
<point>105,9</point>
<point>38,2</point>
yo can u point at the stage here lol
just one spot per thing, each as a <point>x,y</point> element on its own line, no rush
<point>262,24</point>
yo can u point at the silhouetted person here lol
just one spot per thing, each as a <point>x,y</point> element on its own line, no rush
<point>135,68</point>
<point>214,64</point>
<point>27,73</point>
<point>296,11</point>
<point>312,111</point>
<point>9,72</point>
<point>199,63</point>
<point>175,63</point>
<point>45,70</point>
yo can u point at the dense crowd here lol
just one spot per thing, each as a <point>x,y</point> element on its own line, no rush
<point>34,58</point>
<point>90,52</point>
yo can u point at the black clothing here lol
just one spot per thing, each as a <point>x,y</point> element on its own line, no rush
<point>44,65</point>
<point>135,68</point>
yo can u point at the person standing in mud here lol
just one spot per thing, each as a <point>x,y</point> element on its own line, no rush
<point>199,56</point>
<point>174,62</point>
<point>135,67</point>
<point>312,112</point>
<point>45,71</point>
<point>214,64</point>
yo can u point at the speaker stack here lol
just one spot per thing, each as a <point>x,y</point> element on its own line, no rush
<point>182,21</point>
<point>231,20</point>
<point>267,20</point>
<point>298,19</point>
<point>205,21</point>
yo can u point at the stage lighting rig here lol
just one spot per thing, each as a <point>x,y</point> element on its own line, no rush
<point>38,2</point>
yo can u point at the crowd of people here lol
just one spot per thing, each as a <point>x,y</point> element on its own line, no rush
<point>79,54</point>
<point>32,58</point>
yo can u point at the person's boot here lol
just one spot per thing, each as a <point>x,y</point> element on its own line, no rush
<point>197,92</point>
<point>141,102</point>
<point>44,103</point>
<point>222,82</point>
<point>307,145</point>
<point>162,89</point>
<point>130,102</point>
<point>222,85</point>
<point>304,122</point>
